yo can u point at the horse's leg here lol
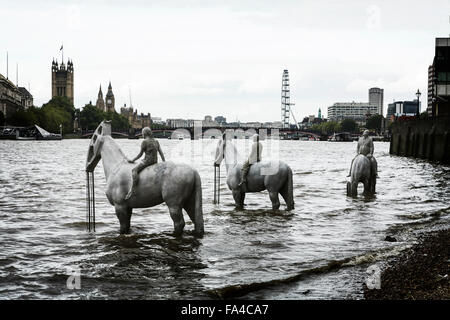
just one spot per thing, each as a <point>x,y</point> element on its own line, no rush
<point>123,213</point>
<point>178,221</point>
<point>286,197</point>
<point>275,201</point>
<point>239,196</point>
<point>374,183</point>
<point>190,209</point>
<point>367,188</point>
<point>354,189</point>
<point>242,198</point>
<point>287,194</point>
<point>374,175</point>
<point>374,167</point>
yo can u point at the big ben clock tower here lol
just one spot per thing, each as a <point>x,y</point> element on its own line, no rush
<point>109,99</point>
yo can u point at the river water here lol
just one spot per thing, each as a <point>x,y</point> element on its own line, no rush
<point>320,250</point>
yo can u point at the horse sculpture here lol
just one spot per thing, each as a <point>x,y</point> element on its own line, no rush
<point>178,185</point>
<point>275,176</point>
<point>361,171</point>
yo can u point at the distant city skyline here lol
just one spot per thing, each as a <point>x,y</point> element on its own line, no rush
<point>191,59</point>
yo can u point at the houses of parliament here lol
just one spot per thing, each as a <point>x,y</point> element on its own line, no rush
<point>135,120</point>
<point>63,86</point>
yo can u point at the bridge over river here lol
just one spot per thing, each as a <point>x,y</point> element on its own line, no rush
<point>214,132</point>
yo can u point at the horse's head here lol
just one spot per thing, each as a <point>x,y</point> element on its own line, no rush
<point>94,156</point>
<point>220,150</point>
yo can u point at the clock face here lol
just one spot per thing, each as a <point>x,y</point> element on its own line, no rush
<point>109,101</point>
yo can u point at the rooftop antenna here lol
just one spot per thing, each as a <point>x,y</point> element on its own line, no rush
<point>7,66</point>
<point>17,74</point>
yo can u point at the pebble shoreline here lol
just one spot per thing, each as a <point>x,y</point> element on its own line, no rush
<point>420,273</point>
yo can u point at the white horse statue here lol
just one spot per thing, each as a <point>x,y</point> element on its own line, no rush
<point>178,185</point>
<point>275,176</point>
<point>361,171</point>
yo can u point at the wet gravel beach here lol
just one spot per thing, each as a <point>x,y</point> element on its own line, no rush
<point>420,273</point>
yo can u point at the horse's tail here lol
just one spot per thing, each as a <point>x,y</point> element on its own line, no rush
<point>199,228</point>
<point>290,190</point>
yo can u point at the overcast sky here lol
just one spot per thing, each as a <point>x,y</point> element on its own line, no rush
<point>188,59</point>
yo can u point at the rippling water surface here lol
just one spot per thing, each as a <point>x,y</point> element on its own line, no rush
<point>319,250</point>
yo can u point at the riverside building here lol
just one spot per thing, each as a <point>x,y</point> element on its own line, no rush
<point>402,108</point>
<point>358,111</point>
<point>439,80</point>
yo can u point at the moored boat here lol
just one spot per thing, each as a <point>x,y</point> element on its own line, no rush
<point>30,133</point>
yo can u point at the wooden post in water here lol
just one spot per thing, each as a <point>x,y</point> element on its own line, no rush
<point>90,201</point>
<point>216,184</point>
<point>93,202</point>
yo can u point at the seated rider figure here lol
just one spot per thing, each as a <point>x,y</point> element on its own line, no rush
<point>255,156</point>
<point>150,147</point>
<point>366,148</point>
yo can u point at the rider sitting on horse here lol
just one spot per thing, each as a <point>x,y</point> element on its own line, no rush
<point>150,147</point>
<point>255,156</point>
<point>366,148</point>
